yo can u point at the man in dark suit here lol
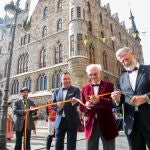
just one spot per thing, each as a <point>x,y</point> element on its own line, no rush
<point>67,118</point>
<point>135,95</point>
<point>99,120</point>
<point>21,107</point>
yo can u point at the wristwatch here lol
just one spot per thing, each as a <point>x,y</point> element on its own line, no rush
<point>147,98</point>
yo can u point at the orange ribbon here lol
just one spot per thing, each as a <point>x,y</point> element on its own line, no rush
<point>25,129</point>
<point>100,95</point>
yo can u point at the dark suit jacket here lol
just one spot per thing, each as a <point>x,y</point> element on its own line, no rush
<point>103,109</point>
<point>71,113</point>
<point>142,87</point>
<point>19,115</point>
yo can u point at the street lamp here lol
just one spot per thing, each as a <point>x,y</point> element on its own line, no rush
<point>12,11</point>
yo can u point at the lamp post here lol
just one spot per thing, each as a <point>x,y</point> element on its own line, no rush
<point>13,10</point>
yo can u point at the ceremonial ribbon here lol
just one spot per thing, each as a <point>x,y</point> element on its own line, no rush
<point>100,95</point>
<point>25,129</point>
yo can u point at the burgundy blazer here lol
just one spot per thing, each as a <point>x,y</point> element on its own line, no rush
<point>103,109</point>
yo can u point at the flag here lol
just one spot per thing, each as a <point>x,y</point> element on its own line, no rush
<point>134,35</point>
<point>94,40</point>
<point>113,38</point>
<point>103,40</point>
<point>85,42</point>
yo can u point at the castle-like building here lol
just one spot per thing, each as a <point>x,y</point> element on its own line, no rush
<point>63,35</point>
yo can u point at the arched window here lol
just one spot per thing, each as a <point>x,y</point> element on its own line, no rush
<point>120,37</point>
<point>78,12</point>
<point>88,7</point>
<point>59,4</point>
<point>89,26</point>
<point>59,53</point>
<point>91,54</point>
<point>15,87</point>
<point>42,58</point>
<point>111,28</point>
<point>113,45</point>
<point>72,52</point>
<point>23,63</point>
<point>26,39</point>
<point>28,83</point>
<point>44,32</point>
<point>102,34</point>
<point>59,25</point>
<point>42,82</point>
<point>79,44</point>
<point>56,79</point>
<point>101,18</point>
<point>45,13</point>
<point>105,60</point>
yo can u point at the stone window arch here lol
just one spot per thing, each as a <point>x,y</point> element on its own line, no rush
<point>59,53</point>
<point>59,25</point>
<point>28,83</point>
<point>23,63</point>
<point>42,58</point>
<point>92,54</point>
<point>44,32</point>
<point>42,82</point>
<point>56,79</point>
<point>45,13</point>
<point>59,4</point>
<point>15,87</point>
<point>105,61</point>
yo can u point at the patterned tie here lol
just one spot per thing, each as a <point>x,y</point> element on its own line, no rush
<point>25,104</point>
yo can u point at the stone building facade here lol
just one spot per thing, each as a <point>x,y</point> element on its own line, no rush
<point>63,35</point>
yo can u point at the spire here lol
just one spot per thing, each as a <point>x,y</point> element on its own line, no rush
<point>135,32</point>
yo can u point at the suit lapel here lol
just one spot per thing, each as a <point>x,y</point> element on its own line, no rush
<point>140,73</point>
<point>60,96</point>
<point>90,90</point>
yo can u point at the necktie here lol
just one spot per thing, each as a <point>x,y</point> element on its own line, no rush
<point>25,103</point>
<point>133,70</point>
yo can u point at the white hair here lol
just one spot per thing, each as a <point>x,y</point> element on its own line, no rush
<point>91,66</point>
<point>124,49</point>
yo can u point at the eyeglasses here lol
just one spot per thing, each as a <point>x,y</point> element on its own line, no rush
<point>93,74</point>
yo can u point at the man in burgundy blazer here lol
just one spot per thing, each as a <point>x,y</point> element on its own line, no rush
<point>99,120</point>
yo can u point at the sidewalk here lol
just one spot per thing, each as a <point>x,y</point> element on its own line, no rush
<point>38,142</point>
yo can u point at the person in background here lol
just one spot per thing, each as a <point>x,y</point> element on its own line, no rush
<point>67,118</point>
<point>99,119</point>
<point>35,115</point>
<point>51,116</point>
<point>134,93</point>
<point>20,108</point>
<point>9,128</point>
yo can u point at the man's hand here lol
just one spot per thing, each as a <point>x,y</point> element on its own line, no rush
<point>27,110</point>
<point>138,100</point>
<point>89,105</point>
<point>94,99</point>
<point>74,100</point>
<point>116,96</point>
<point>60,104</point>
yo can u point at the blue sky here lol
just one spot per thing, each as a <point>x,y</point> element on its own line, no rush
<point>140,9</point>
